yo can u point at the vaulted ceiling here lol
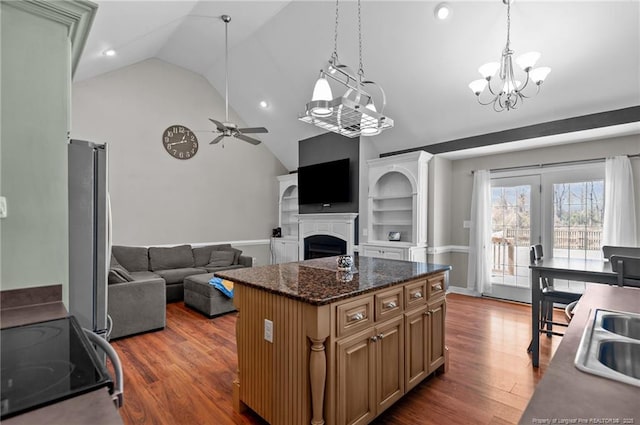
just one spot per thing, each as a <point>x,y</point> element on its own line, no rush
<point>276,49</point>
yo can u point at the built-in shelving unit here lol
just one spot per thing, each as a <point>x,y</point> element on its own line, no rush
<point>285,248</point>
<point>398,203</point>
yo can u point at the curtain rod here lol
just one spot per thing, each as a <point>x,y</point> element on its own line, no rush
<point>553,164</point>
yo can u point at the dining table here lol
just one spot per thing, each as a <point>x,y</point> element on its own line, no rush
<point>584,270</point>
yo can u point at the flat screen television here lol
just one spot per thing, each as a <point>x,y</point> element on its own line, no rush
<point>324,183</point>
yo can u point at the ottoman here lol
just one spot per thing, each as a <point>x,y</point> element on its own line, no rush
<point>203,297</point>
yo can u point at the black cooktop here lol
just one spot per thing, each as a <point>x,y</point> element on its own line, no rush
<point>47,362</point>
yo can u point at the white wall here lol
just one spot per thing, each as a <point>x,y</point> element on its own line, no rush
<point>462,182</point>
<point>225,193</point>
<point>439,210</point>
<point>35,84</point>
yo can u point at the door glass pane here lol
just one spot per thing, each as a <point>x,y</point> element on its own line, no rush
<point>510,234</point>
<point>578,211</point>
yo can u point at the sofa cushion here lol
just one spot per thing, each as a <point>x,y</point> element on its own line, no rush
<point>175,257</point>
<point>177,275</point>
<point>132,258</point>
<point>202,254</point>
<point>221,258</point>
<point>219,269</point>
<point>145,275</point>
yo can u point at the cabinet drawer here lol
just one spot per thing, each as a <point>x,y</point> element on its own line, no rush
<point>415,293</point>
<point>435,285</point>
<point>354,315</point>
<point>389,303</point>
<point>384,252</point>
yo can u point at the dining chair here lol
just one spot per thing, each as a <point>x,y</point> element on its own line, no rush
<point>548,297</point>
<point>629,251</point>
<point>628,269</point>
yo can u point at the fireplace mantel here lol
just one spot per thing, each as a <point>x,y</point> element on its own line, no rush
<point>339,225</point>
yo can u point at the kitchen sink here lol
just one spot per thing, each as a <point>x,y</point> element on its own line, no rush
<point>621,356</point>
<point>622,325</point>
<point>610,346</point>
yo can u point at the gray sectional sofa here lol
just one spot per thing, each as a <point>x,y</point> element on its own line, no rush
<point>142,280</point>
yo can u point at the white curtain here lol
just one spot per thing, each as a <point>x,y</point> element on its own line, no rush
<point>479,267</point>
<point>619,227</point>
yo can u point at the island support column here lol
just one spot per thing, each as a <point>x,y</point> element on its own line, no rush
<point>318,328</point>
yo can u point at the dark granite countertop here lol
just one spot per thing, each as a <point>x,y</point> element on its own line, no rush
<point>319,282</point>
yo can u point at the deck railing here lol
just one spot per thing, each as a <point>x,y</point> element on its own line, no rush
<point>505,242</point>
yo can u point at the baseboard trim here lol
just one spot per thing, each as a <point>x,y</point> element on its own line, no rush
<point>462,291</point>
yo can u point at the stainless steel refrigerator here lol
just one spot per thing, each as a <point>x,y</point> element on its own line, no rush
<point>89,242</point>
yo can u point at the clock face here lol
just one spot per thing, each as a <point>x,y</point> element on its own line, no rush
<point>180,142</point>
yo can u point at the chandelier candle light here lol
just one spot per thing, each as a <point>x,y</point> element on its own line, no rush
<point>354,113</point>
<point>509,92</point>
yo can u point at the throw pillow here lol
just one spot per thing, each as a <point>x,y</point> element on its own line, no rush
<point>221,258</point>
<point>114,261</point>
<point>118,274</point>
<point>237,253</point>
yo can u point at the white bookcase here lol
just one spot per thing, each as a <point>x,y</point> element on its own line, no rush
<point>285,248</point>
<point>397,202</point>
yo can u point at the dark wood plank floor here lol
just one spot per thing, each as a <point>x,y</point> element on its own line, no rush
<point>183,374</point>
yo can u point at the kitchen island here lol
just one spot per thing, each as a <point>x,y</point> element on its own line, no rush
<point>317,345</point>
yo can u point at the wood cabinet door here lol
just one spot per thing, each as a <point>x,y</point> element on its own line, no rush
<point>356,378</point>
<point>417,347</point>
<point>389,362</point>
<point>436,316</point>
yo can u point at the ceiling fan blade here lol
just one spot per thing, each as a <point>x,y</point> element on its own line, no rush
<point>221,127</point>
<point>217,139</point>
<point>253,130</point>
<point>247,139</point>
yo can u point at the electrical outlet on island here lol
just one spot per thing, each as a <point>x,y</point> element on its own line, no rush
<point>268,330</point>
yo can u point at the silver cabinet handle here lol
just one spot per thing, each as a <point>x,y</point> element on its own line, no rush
<point>437,287</point>
<point>390,304</point>
<point>380,336</point>
<point>416,295</point>
<point>374,338</point>
<point>357,317</point>
<point>118,394</point>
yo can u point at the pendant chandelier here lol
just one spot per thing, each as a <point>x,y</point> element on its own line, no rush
<point>508,92</point>
<point>354,113</point>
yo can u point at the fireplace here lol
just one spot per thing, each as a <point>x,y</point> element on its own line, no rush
<point>318,246</point>
<point>329,233</point>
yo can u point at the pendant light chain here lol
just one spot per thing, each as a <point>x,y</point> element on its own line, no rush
<point>508,24</point>
<point>226,70</point>
<point>335,36</point>
<point>361,68</point>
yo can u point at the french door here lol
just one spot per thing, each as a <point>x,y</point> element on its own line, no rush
<point>562,209</point>
<point>515,226</point>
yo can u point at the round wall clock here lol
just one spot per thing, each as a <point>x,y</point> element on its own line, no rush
<point>180,142</point>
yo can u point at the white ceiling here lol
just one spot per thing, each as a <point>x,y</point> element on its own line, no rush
<point>424,65</point>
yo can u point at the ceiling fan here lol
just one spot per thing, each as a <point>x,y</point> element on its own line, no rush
<point>227,128</point>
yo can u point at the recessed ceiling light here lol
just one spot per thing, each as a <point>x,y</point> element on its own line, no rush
<point>264,104</point>
<point>109,52</point>
<point>442,11</point>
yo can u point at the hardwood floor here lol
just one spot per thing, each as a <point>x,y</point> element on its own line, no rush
<point>183,374</point>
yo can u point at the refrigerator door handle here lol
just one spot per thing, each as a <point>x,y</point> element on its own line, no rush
<point>118,393</point>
